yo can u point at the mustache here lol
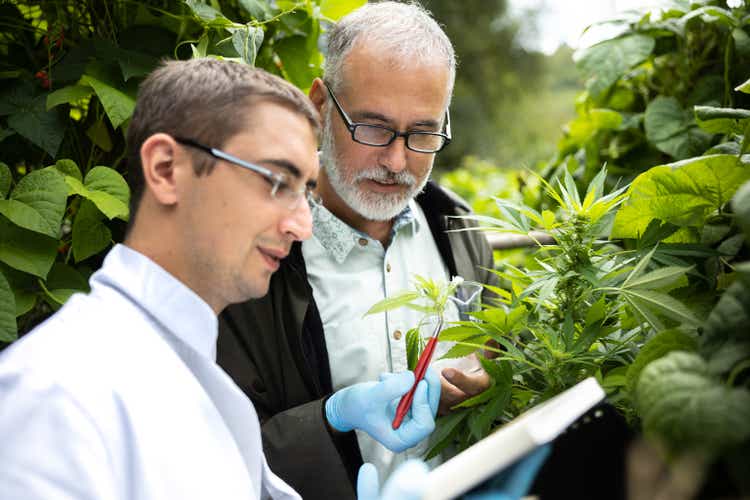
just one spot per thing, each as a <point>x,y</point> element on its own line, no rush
<point>381,174</point>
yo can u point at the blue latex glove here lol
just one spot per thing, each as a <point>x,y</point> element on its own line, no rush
<point>515,481</point>
<point>371,407</point>
<point>408,482</point>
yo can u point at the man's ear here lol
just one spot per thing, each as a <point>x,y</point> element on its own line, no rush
<point>159,159</point>
<point>318,94</point>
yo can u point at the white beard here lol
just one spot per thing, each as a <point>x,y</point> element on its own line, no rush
<point>368,204</point>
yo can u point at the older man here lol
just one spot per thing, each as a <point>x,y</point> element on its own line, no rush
<point>389,75</point>
<point>118,395</point>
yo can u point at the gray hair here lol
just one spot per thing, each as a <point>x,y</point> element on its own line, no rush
<point>406,32</point>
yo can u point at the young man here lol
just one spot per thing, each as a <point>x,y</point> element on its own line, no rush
<point>389,75</point>
<point>118,394</point>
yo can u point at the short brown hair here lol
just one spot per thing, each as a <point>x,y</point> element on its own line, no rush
<point>202,99</point>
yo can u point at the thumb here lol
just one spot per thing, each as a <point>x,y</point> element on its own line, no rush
<point>367,482</point>
<point>393,387</point>
<point>471,385</point>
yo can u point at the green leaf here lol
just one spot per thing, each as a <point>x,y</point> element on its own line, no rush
<point>729,321</point>
<point>62,282</point>
<point>8,327</point>
<point>258,9</point>
<point>658,346</point>
<point>398,300</point>
<point>6,178</point>
<point>462,349</point>
<point>296,61</point>
<point>672,129</point>
<point>585,126</point>
<point>459,333</point>
<point>480,424</point>
<point>67,95</point>
<point>604,63</point>
<point>683,193</point>
<point>38,202</point>
<point>43,128</point>
<point>659,278</point>
<point>336,9</point>
<point>90,235</point>
<point>106,188</point>
<point>743,87</point>
<point>25,250</point>
<point>247,41</point>
<point>69,167</point>
<point>117,104</point>
<point>680,402</point>
<point>413,342</point>
<point>135,64</point>
<point>665,304</point>
<point>99,135</point>
<point>445,428</point>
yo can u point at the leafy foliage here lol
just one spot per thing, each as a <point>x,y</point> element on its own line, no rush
<point>68,80</point>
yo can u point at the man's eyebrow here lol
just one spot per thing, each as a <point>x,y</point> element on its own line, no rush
<point>289,167</point>
<point>370,115</point>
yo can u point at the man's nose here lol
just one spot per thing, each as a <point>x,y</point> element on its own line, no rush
<point>297,224</point>
<point>394,156</point>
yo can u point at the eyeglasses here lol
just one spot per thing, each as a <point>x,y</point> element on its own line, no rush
<point>381,136</point>
<point>281,189</point>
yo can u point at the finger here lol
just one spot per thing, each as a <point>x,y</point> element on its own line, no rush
<point>367,482</point>
<point>470,384</point>
<point>422,422</point>
<point>524,471</point>
<point>393,387</point>
<point>433,389</point>
<point>408,482</point>
<point>449,397</point>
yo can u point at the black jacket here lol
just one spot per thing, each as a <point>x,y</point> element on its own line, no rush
<point>274,349</point>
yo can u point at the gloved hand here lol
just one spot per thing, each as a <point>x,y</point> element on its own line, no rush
<point>371,407</point>
<point>407,482</point>
<point>515,481</point>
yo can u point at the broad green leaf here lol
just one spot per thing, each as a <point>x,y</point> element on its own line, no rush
<point>8,327</point>
<point>664,304</point>
<point>5,180</point>
<point>204,11</point>
<point>585,126</point>
<point>117,104</point>
<point>706,113</point>
<point>43,128</point>
<point>672,129</point>
<point>604,63</point>
<point>99,135</point>
<point>62,282</point>
<point>106,188</point>
<point>729,321</point>
<point>295,58</point>
<point>25,250</point>
<point>90,235</point>
<point>683,193</point>
<point>680,402</point>
<point>336,9</point>
<point>38,202</point>
<point>246,41</point>
<point>135,64</point>
<point>393,302</point>
<point>658,346</point>
<point>68,95</point>
<point>258,9</point>
<point>69,167</point>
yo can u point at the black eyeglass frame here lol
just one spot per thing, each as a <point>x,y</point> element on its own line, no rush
<point>352,127</point>
<point>277,180</point>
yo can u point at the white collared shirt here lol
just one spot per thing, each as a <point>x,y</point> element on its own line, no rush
<point>349,272</point>
<point>118,396</point>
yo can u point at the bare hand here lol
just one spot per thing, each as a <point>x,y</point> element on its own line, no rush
<point>457,386</point>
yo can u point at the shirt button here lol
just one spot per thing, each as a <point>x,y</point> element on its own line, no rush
<point>397,335</point>
<point>363,242</point>
<point>388,268</point>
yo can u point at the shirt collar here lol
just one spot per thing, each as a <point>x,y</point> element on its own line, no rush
<point>179,310</point>
<point>338,237</point>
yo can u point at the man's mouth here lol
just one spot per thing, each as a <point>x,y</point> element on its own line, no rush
<point>273,256</point>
